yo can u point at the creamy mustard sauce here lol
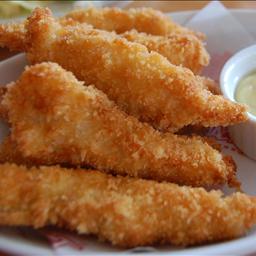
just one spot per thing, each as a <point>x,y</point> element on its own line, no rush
<point>246,92</point>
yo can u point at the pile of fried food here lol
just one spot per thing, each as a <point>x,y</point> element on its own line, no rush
<point>104,131</point>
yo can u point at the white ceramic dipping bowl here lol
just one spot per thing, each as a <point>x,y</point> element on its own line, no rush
<point>238,66</point>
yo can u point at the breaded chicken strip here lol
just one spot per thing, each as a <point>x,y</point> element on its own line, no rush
<point>145,20</point>
<point>10,154</point>
<point>125,211</point>
<point>143,84</point>
<point>179,46</point>
<point>57,120</point>
<point>208,84</point>
<point>179,49</point>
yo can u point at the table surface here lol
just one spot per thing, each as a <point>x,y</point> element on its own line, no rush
<point>166,6</point>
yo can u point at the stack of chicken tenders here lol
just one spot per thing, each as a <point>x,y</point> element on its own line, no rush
<point>104,131</point>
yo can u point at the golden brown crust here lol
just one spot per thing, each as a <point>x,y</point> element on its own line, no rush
<point>126,65</point>
<point>3,112</point>
<point>56,119</point>
<point>180,49</point>
<point>12,36</point>
<point>210,85</point>
<point>9,153</point>
<point>111,19</point>
<point>127,212</point>
<point>143,84</point>
<point>145,20</point>
<point>157,32</point>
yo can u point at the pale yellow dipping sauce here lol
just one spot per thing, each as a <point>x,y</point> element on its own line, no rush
<point>246,92</point>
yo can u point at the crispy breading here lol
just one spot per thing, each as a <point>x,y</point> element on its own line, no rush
<point>179,45</point>
<point>145,85</point>
<point>3,113</point>
<point>12,36</point>
<point>125,211</point>
<point>57,120</point>
<point>145,20</point>
<point>179,49</point>
<point>112,54</point>
<point>210,85</point>
<point>207,83</point>
<point>9,153</point>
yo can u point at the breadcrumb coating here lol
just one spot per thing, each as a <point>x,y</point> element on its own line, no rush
<point>12,36</point>
<point>210,85</point>
<point>180,49</point>
<point>145,20</point>
<point>162,116</point>
<point>125,211</point>
<point>179,45</point>
<point>57,120</point>
<point>145,85</point>
<point>3,113</point>
<point>9,153</point>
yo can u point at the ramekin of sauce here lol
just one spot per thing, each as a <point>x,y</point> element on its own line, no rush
<point>238,83</point>
<point>246,92</point>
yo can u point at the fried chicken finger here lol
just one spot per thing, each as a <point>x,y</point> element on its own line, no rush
<point>125,211</point>
<point>57,120</point>
<point>179,49</point>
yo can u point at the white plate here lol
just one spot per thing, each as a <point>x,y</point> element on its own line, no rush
<point>23,242</point>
